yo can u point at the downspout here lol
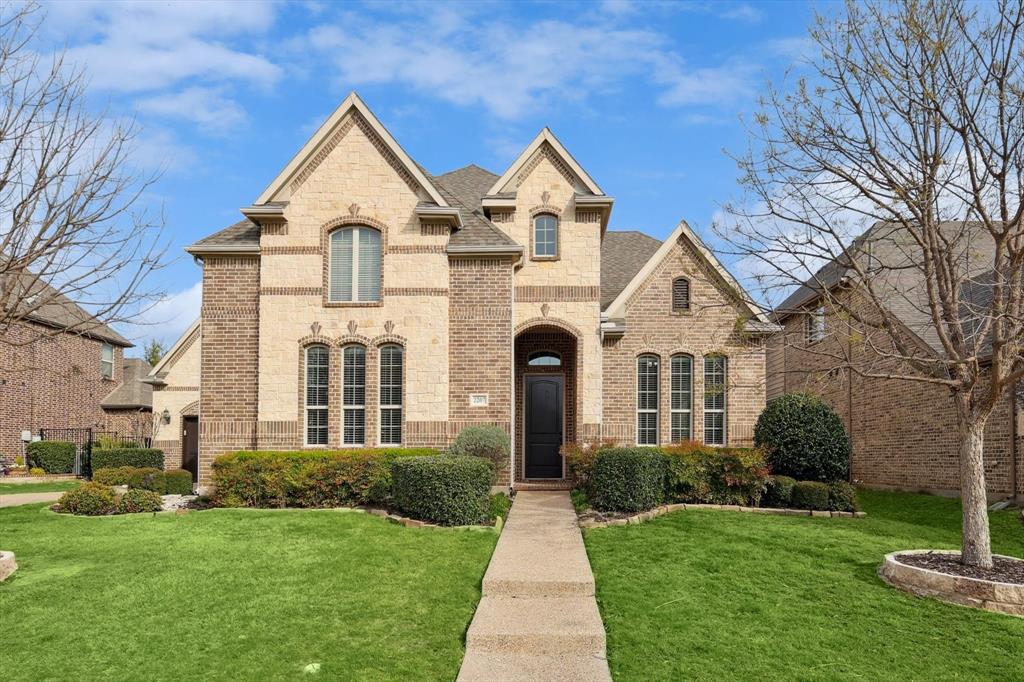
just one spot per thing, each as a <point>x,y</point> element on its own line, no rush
<point>1013,443</point>
<point>512,379</point>
<point>849,399</point>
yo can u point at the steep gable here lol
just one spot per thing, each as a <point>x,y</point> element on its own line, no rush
<point>545,147</point>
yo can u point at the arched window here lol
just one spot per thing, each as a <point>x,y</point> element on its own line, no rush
<point>545,236</point>
<point>715,400</point>
<point>647,367</point>
<point>545,358</point>
<point>682,398</point>
<point>680,295</point>
<point>317,371</point>
<point>355,265</point>
<point>391,395</point>
<point>353,396</point>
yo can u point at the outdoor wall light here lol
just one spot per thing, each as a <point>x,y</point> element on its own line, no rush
<point>166,416</point>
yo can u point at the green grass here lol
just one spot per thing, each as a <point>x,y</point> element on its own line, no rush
<point>41,487</point>
<point>235,595</point>
<point>724,595</point>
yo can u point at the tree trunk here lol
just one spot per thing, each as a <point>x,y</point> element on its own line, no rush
<point>977,546</point>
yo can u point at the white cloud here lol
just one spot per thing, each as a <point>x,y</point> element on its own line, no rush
<point>729,82</point>
<point>206,107</point>
<point>168,319</point>
<point>742,12</point>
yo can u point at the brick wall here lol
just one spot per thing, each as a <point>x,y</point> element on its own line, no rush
<point>709,327</point>
<point>53,381</point>
<point>229,357</point>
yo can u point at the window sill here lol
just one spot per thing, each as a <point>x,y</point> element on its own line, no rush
<point>545,258</point>
<point>353,304</point>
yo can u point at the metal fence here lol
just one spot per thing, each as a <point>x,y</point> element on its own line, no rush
<point>87,439</point>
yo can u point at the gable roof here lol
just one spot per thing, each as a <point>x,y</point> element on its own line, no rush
<point>132,393</point>
<point>622,256</point>
<point>60,312</point>
<point>243,236</point>
<point>617,308</point>
<point>545,136</point>
<point>161,368</point>
<point>349,104</point>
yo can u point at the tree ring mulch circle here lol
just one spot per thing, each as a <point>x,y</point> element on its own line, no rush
<point>939,574</point>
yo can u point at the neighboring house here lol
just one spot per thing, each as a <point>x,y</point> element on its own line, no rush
<point>365,302</point>
<point>903,433</point>
<point>62,368</point>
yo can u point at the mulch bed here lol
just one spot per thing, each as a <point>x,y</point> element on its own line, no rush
<point>1003,570</point>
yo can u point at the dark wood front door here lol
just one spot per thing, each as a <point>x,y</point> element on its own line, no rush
<point>543,433</point>
<point>190,445</point>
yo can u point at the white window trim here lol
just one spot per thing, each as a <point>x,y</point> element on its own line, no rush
<point>816,325</point>
<point>325,408</point>
<point>104,363</point>
<point>356,298</point>
<point>674,411</point>
<point>725,405</point>
<point>400,407</point>
<point>536,242</point>
<point>346,407</point>
<point>647,410</point>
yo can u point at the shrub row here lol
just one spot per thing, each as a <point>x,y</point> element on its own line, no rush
<point>173,482</point>
<point>52,456</point>
<point>107,458</point>
<point>452,490</point>
<point>308,478</point>
<point>784,491</point>
<point>707,475</point>
<point>96,499</point>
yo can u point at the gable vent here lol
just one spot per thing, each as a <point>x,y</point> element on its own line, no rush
<point>680,294</point>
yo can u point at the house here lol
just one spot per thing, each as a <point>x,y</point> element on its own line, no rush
<point>60,368</point>
<point>365,302</point>
<point>903,433</point>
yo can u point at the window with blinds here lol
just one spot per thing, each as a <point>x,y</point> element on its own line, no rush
<point>714,400</point>
<point>107,361</point>
<point>682,398</point>
<point>680,295</point>
<point>355,262</point>
<point>647,400</point>
<point>815,324</point>
<point>317,368</point>
<point>545,236</point>
<point>353,396</point>
<point>391,395</point>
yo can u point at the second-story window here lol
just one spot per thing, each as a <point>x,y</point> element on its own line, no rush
<point>816,324</point>
<point>355,265</point>
<point>545,236</point>
<point>107,361</point>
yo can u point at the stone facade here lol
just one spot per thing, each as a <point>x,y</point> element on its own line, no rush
<point>52,380</point>
<point>178,393</point>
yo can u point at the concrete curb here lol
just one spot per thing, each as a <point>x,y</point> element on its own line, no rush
<point>666,508</point>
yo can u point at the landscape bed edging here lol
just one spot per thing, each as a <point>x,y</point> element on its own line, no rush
<point>666,508</point>
<point>989,595</point>
<point>8,565</point>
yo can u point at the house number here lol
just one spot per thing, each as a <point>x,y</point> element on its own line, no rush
<point>478,400</point>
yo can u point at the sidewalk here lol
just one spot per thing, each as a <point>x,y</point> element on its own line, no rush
<point>537,619</point>
<point>28,498</point>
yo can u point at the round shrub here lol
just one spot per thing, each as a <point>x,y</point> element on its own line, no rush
<point>52,456</point>
<point>488,442</point>
<point>779,492</point>
<point>178,482</point>
<point>36,471</point>
<point>628,479</point>
<point>842,497</point>
<point>810,495</point>
<point>451,491</point>
<point>138,500</point>
<point>804,438</point>
<point>89,499</point>
<point>113,475</point>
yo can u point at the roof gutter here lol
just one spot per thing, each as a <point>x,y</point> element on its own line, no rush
<point>449,213</point>
<point>489,250</point>
<point>199,250</point>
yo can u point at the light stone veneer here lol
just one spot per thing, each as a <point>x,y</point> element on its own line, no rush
<point>183,374</point>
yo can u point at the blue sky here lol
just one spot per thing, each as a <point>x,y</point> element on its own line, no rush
<point>645,95</point>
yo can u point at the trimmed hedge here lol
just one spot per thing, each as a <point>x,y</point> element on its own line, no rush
<point>89,499</point>
<point>308,478</point>
<point>804,438</point>
<point>172,482</point>
<point>113,475</point>
<point>627,479</point>
<point>138,500</point>
<point>178,482</point>
<point>52,456</point>
<point>489,442</point>
<point>842,497</point>
<point>451,490</point>
<point>147,478</point>
<point>105,458</point>
<point>810,495</point>
<point>779,492</point>
<point>708,475</point>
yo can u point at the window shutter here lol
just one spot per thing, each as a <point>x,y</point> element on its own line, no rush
<point>341,265</point>
<point>681,294</point>
<point>369,265</point>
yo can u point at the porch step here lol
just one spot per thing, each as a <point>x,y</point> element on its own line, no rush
<point>549,626</point>
<point>554,484</point>
<point>480,666</point>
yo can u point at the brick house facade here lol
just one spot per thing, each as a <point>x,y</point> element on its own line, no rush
<point>364,302</point>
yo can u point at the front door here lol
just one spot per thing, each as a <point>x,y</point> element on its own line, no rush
<point>543,432</point>
<point>190,445</point>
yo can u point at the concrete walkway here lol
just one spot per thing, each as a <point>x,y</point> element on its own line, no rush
<point>28,498</point>
<point>537,619</point>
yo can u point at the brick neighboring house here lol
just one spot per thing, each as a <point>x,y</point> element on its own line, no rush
<point>62,368</point>
<point>903,433</point>
<point>363,301</point>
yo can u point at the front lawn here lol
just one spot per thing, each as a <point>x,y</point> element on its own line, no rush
<point>235,595</point>
<point>726,595</point>
<point>41,487</point>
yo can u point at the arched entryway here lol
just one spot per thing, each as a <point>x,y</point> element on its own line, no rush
<point>547,367</point>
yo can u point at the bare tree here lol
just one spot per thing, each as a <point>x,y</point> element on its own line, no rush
<point>908,120</point>
<point>71,222</point>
